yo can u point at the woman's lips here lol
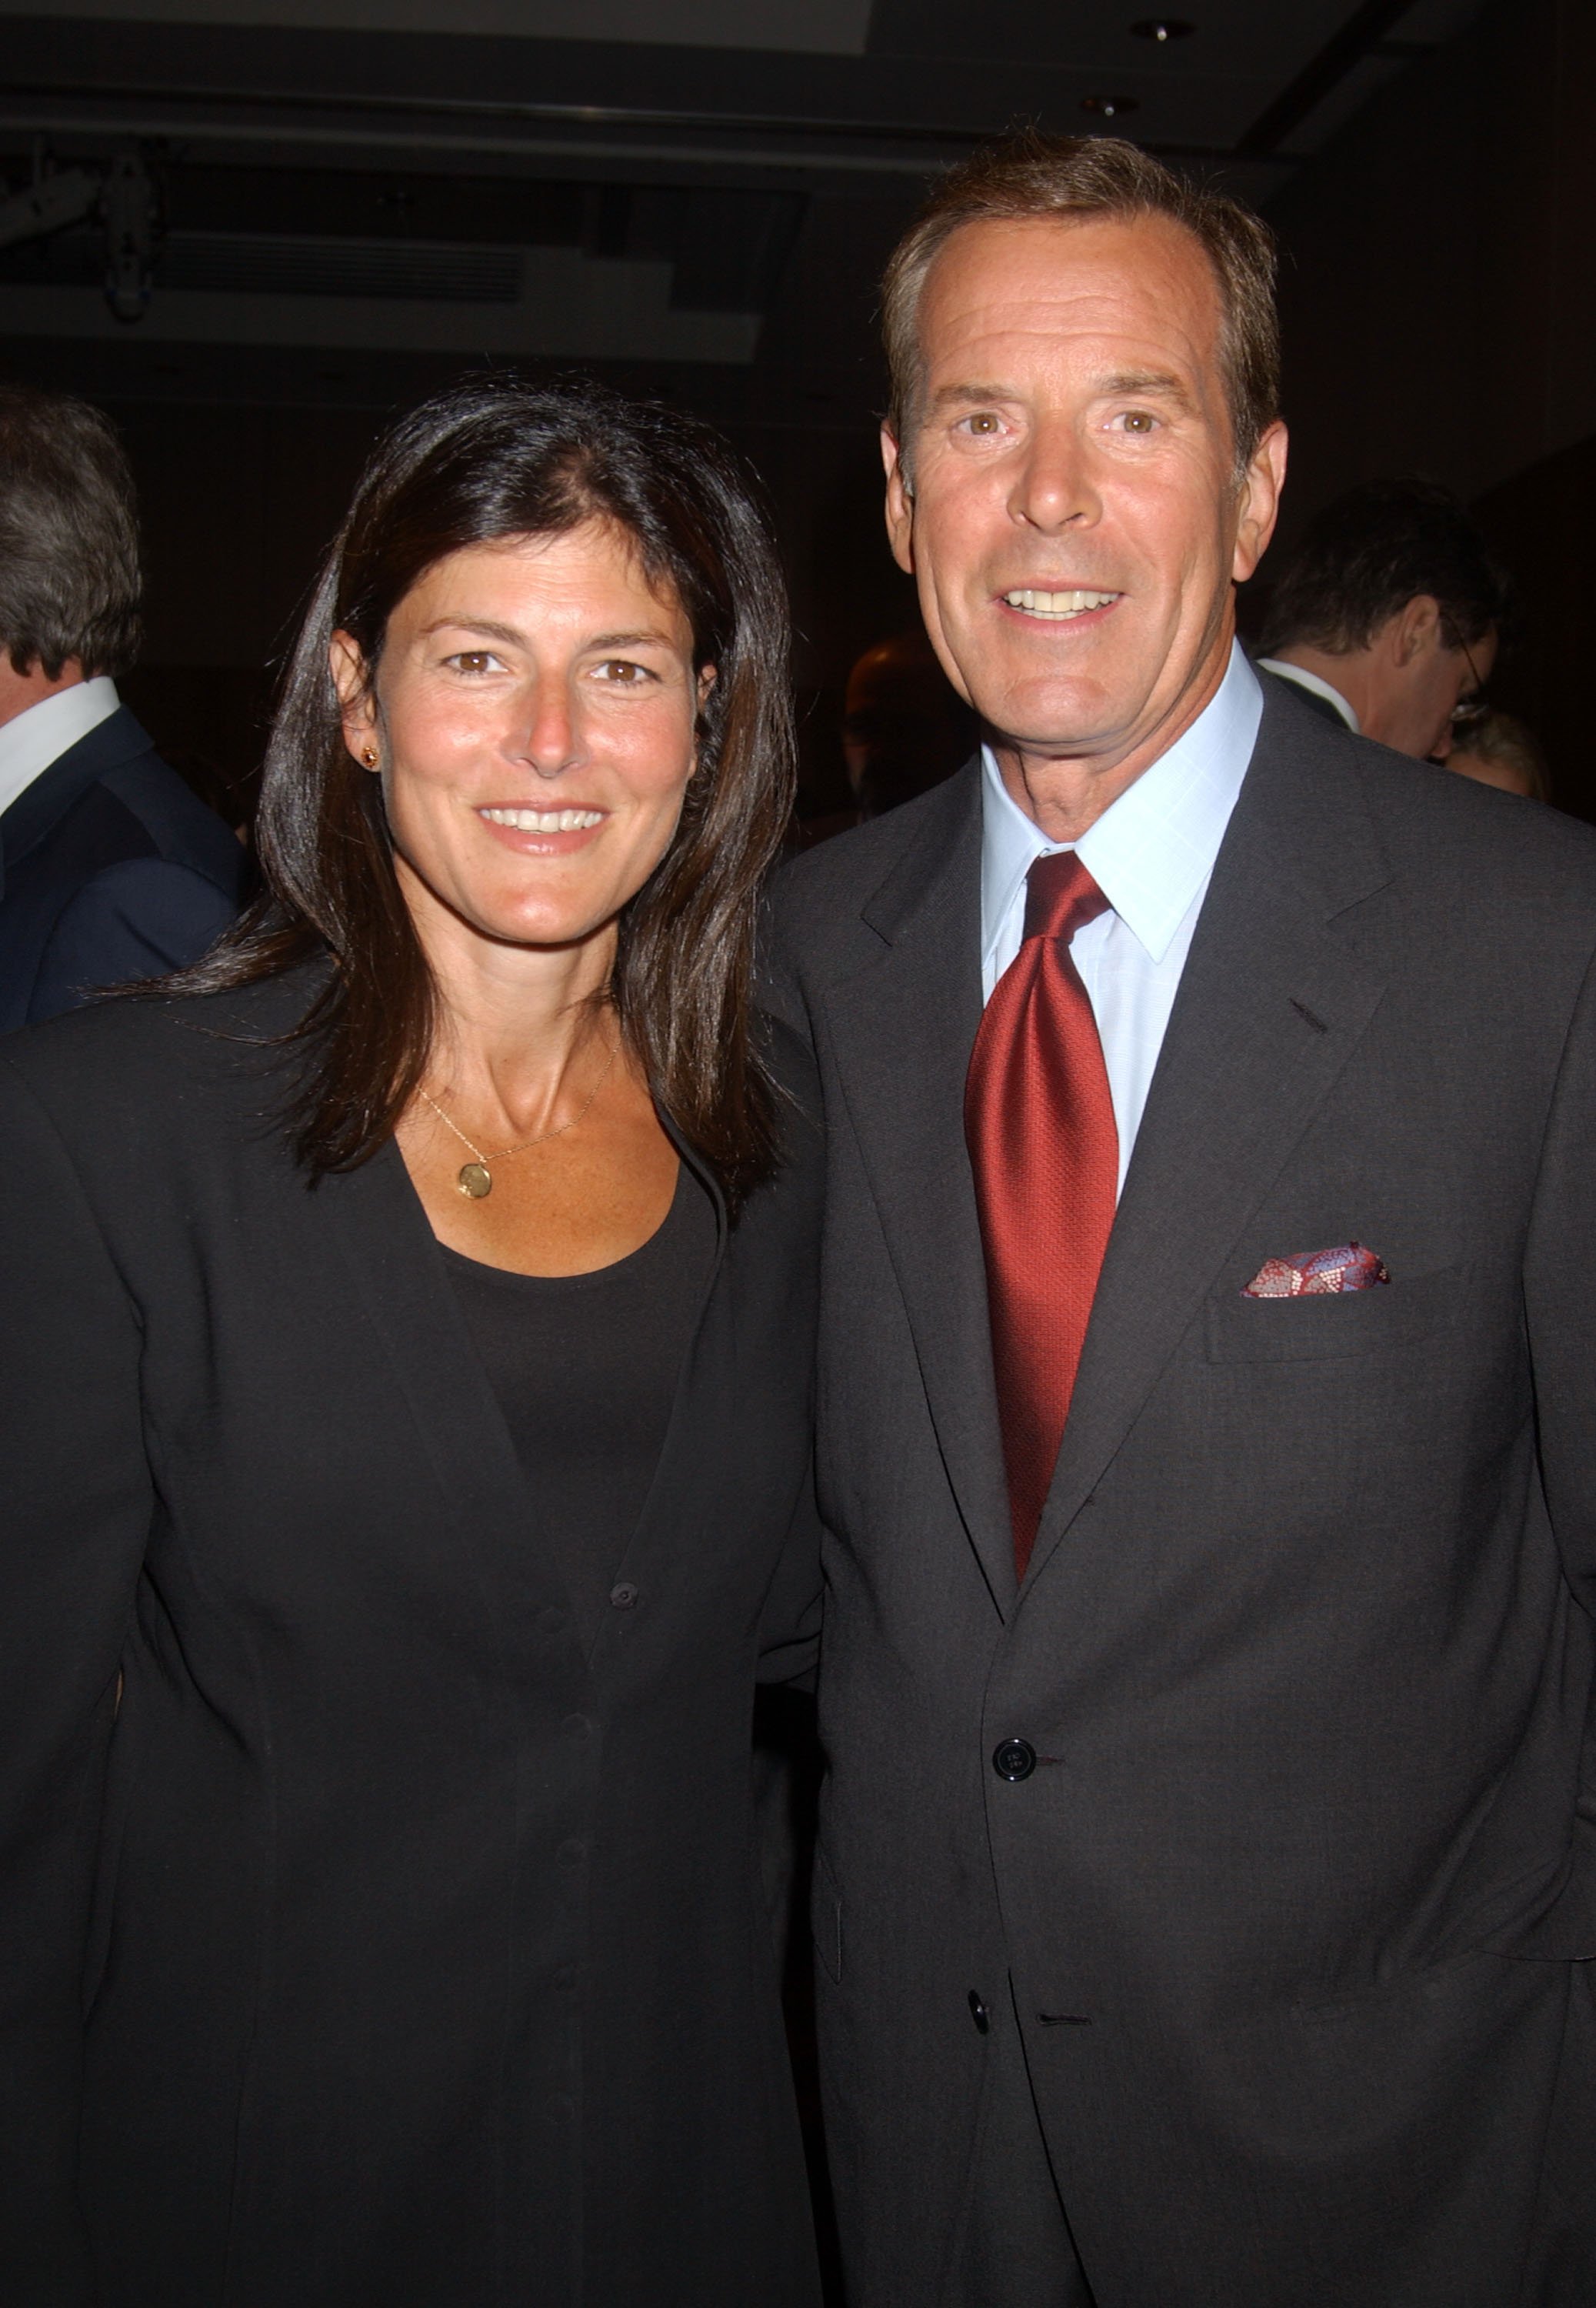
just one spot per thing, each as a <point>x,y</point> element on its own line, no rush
<point>544,821</point>
<point>542,833</point>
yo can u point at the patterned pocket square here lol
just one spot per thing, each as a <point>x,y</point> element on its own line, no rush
<point>1318,1273</point>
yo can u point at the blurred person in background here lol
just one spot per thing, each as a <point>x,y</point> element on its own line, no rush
<point>1387,616</point>
<point>111,867</point>
<point>1497,749</point>
<point>904,725</point>
<point>904,729</point>
<point>408,1379</point>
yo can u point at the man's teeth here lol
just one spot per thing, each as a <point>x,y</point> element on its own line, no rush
<point>1057,605</point>
<point>544,820</point>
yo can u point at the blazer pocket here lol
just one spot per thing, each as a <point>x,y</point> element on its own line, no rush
<point>825,1915</point>
<point>1390,1315</point>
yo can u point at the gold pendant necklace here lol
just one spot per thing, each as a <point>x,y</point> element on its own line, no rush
<point>475,1179</point>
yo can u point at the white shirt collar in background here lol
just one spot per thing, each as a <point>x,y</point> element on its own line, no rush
<point>1152,850</point>
<point>1306,680</point>
<point>30,742</point>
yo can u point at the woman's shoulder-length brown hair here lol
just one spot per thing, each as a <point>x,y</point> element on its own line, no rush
<point>503,457</point>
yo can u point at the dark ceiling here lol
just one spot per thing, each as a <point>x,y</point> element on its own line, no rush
<point>634,181</point>
<point>313,212</point>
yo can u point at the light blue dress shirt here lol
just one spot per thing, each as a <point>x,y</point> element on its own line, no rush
<point>1151,853</point>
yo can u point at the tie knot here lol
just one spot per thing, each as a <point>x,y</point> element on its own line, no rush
<point>1060,897</point>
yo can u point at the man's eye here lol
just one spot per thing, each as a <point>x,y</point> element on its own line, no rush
<point>982,420</point>
<point>1138,420</point>
<point>624,670</point>
<point>473,660</point>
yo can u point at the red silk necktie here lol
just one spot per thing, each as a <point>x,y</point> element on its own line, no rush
<point>1039,1121</point>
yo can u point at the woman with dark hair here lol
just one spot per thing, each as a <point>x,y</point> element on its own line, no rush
<point>406,1386</point>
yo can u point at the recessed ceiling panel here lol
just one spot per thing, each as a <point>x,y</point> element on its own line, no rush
<point>1254,38</point>
<point>545,303</point>
<point>804,27</point>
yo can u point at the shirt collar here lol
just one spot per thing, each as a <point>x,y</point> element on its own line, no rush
<point>32,740</point>
<point>1153,849</point>
<point>1320,688</point>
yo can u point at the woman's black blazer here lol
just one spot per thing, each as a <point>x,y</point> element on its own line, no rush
<point>382,1948</point>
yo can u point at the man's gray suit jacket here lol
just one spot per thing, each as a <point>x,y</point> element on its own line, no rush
<point>1299,1898</point>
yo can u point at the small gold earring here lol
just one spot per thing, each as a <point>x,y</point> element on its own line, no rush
<point>369,757</point>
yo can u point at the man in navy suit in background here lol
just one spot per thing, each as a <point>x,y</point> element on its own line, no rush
<point>110,868</point>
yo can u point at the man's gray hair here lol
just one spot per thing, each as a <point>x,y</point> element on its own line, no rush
<point>69,537</point>
<point>1031,178</point>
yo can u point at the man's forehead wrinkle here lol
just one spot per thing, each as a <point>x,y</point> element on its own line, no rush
<point>1017,286</point>
<point>993,342</point>
<point>1105,373</point>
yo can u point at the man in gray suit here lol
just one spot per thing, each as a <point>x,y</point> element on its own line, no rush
<point>1207,1871</point>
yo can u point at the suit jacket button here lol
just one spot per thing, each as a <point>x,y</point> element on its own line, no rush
<point>624,1595</point>
<point>1014,1759</point>
<point>980,2014</point>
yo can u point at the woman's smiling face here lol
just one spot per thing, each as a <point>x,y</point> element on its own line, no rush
<point>533,716</point>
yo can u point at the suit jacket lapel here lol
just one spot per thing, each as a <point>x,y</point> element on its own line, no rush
<point>42,805</point>
<point>393,1257</point>
<point>1271,1004</point>
<point>384,1236</point>
<point>658,1529</point>
<point>903,1031</point>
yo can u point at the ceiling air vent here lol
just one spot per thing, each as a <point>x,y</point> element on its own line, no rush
<point>247,264</point>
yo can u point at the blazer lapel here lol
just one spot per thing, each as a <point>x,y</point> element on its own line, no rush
<point>397,1268</point>
<point>658,1529</point>
<point>1271,1006</point>
<point>902,1029</point>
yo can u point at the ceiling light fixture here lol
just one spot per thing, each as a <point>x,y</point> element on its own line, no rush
<point>1163,28</point>
<point>1107,107</point>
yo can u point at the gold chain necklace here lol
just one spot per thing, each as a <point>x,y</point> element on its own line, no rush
<point>474,1178</point>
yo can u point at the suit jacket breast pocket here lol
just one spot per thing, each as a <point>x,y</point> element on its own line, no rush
<point>1388,1319</point>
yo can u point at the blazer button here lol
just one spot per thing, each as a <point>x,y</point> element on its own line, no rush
<point>1014,1759</point>
<point>980,2014</point>
<point>624,1595</point>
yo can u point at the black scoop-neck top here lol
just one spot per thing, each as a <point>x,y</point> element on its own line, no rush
<point>584,1368</point>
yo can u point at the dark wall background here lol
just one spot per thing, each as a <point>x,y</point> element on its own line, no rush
<point>1437,282</point>
<point>246,458</point>
<point>1439,308</point>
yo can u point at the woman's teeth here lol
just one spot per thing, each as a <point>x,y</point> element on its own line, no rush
<point>1057,605</point>
<point>544,821</point>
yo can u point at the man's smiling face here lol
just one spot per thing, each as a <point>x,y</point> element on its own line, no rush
<point>1071,509</point>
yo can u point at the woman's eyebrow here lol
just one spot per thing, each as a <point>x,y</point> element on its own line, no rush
<point>489,627</point>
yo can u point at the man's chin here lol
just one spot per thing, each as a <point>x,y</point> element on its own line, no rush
<point>1059,736</point>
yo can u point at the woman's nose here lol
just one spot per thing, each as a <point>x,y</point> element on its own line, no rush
<point>550,738</point>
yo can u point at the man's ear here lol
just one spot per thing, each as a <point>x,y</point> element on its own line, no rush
<point>1261,502</point>
<point>1415,629</point>
<point>900,504</point>
<point>358,705</point>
